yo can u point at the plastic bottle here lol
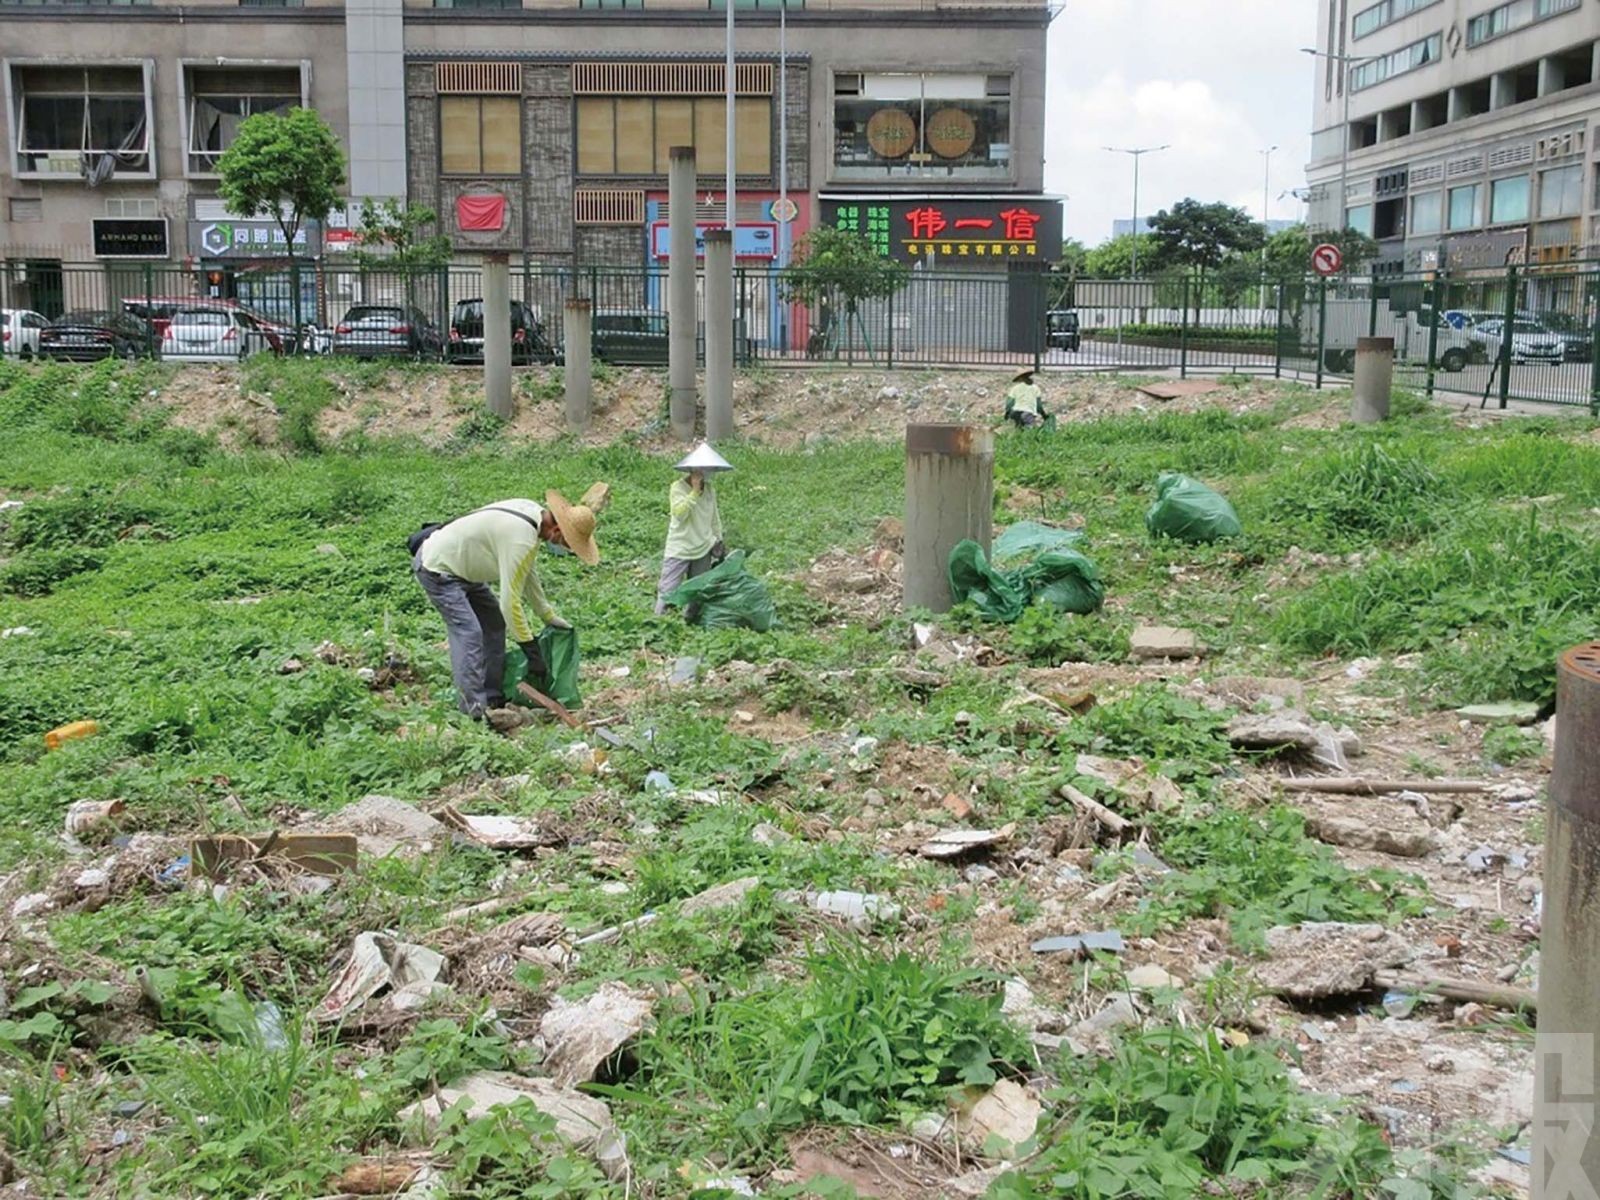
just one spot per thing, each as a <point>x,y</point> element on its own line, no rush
<point>66,733</point>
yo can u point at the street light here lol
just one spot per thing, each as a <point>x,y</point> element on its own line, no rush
<point>1346,61</point>
<point>1137,153</point>
<point>1266,215</point>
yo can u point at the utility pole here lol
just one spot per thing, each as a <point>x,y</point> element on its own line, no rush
<point>1266,217</point>
<point>1346,62</point>
<point>732,139</point>
<point>1136,153</point>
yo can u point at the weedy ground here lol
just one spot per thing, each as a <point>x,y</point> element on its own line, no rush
<point>156,582</point>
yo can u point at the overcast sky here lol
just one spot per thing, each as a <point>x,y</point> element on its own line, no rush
<point>1218,79</point>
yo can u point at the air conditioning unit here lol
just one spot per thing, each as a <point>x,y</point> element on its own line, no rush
<point>61,164</point>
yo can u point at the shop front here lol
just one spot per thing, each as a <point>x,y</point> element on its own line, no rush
<point>247,260</point>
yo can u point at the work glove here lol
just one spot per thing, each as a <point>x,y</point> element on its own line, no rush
<point>558,623</point>
<point>536,667</point>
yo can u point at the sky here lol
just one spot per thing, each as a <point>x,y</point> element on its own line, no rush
<point>1218,79</point>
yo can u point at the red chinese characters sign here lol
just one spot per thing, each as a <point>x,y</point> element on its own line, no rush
<point>950,230</point>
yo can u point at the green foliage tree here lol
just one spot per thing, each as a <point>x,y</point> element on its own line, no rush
<point>832,266</point>
<point>1074,257</point>
<point>394,236</point>
<point>1201,237</point>
<point>1113,259</point>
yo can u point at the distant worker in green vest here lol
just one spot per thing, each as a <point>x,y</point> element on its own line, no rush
<point>694,524</point>
<point>1025,402</point>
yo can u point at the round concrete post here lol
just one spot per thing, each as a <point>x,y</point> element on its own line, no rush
<point>949,498</point>
<point>682,318</point>
<point>578,374</point>
<point>1369,396</point>
<point>719,334</point>
<point>1566,1150</point>
<point>497,334</point>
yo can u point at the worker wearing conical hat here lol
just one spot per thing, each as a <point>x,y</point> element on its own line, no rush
<point>456,563</point>
<point>1025,401</point>
<point>694,524</point>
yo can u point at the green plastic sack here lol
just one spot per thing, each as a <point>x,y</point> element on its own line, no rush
<point>1065,581</point>
<point>973,581</point>
<point>1032,537</point>
<point>728,597</point>
<point>559,649</point>
<point>1188,510</point>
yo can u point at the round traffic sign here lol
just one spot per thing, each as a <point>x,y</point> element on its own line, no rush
<point>1327,259</point>
<point>784,210</point>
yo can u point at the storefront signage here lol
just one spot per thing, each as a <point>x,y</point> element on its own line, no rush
<point>1486,251</point>
<point>254,238</point>
<point>891,133</point>
<point>130,237</point>
<point>750,240</point>
<point>951,132</point>
<point>946,230</point>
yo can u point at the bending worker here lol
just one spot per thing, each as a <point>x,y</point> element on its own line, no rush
<point>457,562</point>
<point>1025,401</point>
<point>694,525</point>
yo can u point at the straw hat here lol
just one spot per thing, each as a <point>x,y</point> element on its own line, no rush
<point>1024,375</point>
<point>577,526</point>
<point>703,458</point>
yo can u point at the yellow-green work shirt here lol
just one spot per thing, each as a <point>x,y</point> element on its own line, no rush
<point>1024,398</point>
<point>695,525</point>
<point>496,547</point>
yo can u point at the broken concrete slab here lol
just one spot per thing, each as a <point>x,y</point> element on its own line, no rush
<point>1283,730</point>
<point>1151,978</point>
<point>1328,958</point>
<point>1354,833</point>
<point>1108,940</point>
<point>1163,641</point>
<point>1022,1008</point>
<point>1511,712</point>
<point>1003,1119</point>
<point>384,825</point>
<point>953,843</point>
<point>1093,1035</point>
<point>724,895</point>
<point>582,1120</point>
<point>683,671</point>
<point>1179,389</point>
<point>499,832</point>
<point>581,1036</point>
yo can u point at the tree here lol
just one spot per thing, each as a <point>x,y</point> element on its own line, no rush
<point>392,236</point>
<point>1201,237</point>
<point>288,167</point>
<point>1114,259</point>
<point>832,265</point>
<point>1074,257</point>
<point>1289,251</point>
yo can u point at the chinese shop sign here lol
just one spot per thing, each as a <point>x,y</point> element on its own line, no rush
<point>1007,229</point>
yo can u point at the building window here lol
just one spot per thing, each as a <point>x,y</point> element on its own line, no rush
<point>1463,213</point>
<point>477,3</point>
<point>1386,12</point>
<point>76,119</point>
<point>1508,200</point>
<point>633,135</point>
<point>220,98</point>
<point>1427,213</point>
<point>610,3</point>
<point>27,209</point>
<point>1507,18</point>
<point>272,3</point>
<point>1359,218</point>
<point>480,135</point>
<point>932,126</point>
<point>1387,66</point>
<point>1561,192</point>
<point>791,5</point>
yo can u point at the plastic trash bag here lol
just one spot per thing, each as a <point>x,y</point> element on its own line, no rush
<point>559,649</point>
<point>1033,537</point>
<point>1066,581</point>
<point>973,581</point>
<point>1188,510</point>
<point>728,597</point>
<point>1061,579</point>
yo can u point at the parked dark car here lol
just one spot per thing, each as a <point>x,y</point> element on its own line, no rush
<point>387,331</point>
<point>1578,337</point>
<point>528,341</point>
<point>1061,329</point>
<point>630,337</point>
<point>90,336</point>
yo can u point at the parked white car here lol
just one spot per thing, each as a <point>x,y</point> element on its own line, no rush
<point>212,335</point>
<point>1530,342</point>
<point>19,332</point>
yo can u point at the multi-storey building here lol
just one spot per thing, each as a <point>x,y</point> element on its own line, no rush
<point>1464,129</point>
<point>539,127</point>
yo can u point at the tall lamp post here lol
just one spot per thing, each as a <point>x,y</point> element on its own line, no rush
<point>1136,153</point>
<point>1346,62</point>
<point>1266,218</point>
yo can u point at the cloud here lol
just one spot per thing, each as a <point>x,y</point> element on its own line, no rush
<point>1218,81</point>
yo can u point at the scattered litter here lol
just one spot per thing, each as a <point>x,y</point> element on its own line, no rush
<point>768,834</point>
<point>499,833</point>
<point>1108,940</point>
<point>659,783</point>
<point>1163,641</point>
<point>175,871</point>
<point>315,853</point>
<point>1485,859</point>
<point>91,878</point>
<point>1003,1119</point>
<point>858,908</point>
<point>379,961</point>
<point>580,1037</point>
<point>128,1109</point>
<point>8,505</point>
<point>863,754</point>
<point>724,895</point>
<point>1516,1154</point>
<point>586,759</point>
<point>69,732</point>
<point>1189,511</point>
<point>612,932</point>
<point>269,1026</point>
<point>583,1120</point>
<point>33,902</point>
<point>1143,858</point>
<point>84,815</point>
<point>17,631</point>
<point>1399,1004</point>
<point>1328,958</point>
<point>923,634</point>
<point>1179,389</point>
<point>1511,712</point>
<point>1314,1031</point>
<point>614,887</point>
<point>977,874</point>
<point>683,671</point>
<point>953,843</point>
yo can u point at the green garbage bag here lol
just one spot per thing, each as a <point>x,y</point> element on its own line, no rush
<point>728,597</point>
<point>559,649</point>
<point>1066,581</point>
<point>1188,510</point>
<point>973,581</point>
<point>1033,537</point>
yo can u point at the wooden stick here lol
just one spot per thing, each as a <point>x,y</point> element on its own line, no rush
<point>544,702</point>
<point>1114,822</point>
<point>1466,990</point>
<point>1355,785</point>
<point>456,915</point>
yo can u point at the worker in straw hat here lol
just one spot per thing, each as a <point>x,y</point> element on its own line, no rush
<point>1025,401</point>
<point>456,563</point>
<point>694,524</point>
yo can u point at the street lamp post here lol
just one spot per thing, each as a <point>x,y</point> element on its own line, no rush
<point>1266,216</point>
<point>1136,153</point>
<point>1345,61</point>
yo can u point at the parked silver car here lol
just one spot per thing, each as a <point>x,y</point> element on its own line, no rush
<point>212,335</point>
<point>387,331</point>
<point>19,332</point>
<point>1530,342</point>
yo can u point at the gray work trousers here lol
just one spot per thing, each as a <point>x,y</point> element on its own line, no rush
<point>477,635</point>
<point>674,571</point>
